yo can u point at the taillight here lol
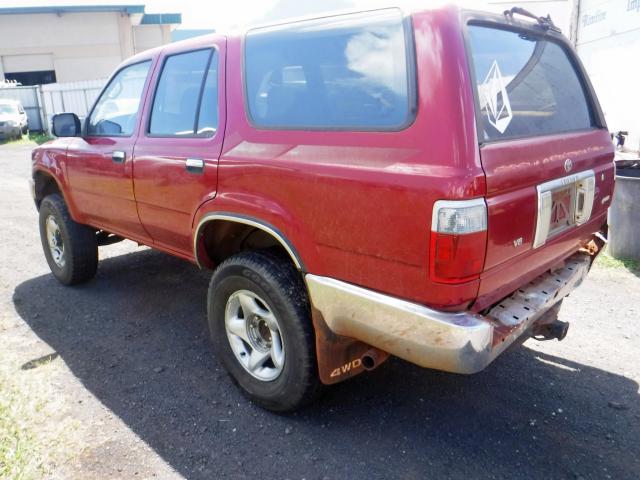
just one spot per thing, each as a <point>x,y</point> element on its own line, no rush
<point>458,240</point>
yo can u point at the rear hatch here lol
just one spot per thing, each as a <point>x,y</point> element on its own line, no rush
<point>544,147</point>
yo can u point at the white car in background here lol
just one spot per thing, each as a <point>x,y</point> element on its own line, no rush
<point>13,119</point>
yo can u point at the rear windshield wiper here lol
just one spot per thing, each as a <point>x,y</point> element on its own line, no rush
<point>544,22</point>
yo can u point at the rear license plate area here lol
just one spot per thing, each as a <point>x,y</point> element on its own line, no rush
<point>562,204</point>
<point>562,209</point>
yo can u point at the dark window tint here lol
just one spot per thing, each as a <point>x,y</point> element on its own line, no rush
<point>526,85</point>
<point>176,101</point>
<point>347,72</point>
<point>116,111</point>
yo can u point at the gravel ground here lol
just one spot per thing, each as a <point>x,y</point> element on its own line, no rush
<point>139,394</point>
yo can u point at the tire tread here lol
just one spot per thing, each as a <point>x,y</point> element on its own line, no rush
<point>282,274</point>
<point>82,251</point>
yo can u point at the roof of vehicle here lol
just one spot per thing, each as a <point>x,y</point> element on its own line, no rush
<point>9,101</point>
<point>205,40</point>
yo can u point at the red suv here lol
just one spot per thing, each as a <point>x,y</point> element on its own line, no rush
<point>427,185</point>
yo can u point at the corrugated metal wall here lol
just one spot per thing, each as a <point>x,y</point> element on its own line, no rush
<point>75,97</point>
<point>41,102</point>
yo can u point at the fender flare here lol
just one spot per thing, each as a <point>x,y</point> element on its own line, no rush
<point>45,172</point>
<point>253,222</point>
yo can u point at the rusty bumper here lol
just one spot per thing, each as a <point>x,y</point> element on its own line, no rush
<point>463,342</point>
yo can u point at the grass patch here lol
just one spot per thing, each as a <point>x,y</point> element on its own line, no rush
<point>39,137</point>
<point>607,261</point>
<point>36,435</point>
<point>19,456</point>
<point>34,137</point>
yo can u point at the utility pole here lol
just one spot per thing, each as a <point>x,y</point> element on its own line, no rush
<point>575,20</point>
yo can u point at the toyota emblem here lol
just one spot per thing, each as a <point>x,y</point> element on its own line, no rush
<point>568,165</point>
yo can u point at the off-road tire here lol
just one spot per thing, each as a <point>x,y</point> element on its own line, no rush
<point>80,244</point>
<point>275,280</point>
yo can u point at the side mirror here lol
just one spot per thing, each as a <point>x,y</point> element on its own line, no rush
<point>66,125</point>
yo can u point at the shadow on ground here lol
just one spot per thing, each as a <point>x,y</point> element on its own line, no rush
<point>136,337</point>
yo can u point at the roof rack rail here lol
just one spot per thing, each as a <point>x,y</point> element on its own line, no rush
<point>544,22</point>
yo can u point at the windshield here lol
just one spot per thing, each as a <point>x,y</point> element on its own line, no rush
<point>526,85</point>
<point>8,109</point>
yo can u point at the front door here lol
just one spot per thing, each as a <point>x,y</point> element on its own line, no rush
<point>100,164</point>
<point>176,156</point>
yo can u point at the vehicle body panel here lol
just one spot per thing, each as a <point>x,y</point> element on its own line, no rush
<point>167,193</point>
<point>515,167</point>
<point>365,198</point>
<point>103,189</point>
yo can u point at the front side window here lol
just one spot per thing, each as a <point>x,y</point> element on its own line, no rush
<point>177,109</point>
<point>526,85</point>
<point>117,108</point>
<point>342,72</point>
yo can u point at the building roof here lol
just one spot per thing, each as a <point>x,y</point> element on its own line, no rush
<point>161,18</point>
<point>136,10</point>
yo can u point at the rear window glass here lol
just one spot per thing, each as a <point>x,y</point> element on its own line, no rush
<point>342,72</point>
<point>526,85</point>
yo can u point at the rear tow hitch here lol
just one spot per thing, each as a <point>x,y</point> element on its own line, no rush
<point>548,331</point>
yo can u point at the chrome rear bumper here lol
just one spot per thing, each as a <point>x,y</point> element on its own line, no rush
<point>454,342</point>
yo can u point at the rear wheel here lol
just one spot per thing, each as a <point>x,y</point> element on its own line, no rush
<point>259,318</point>
<point>71,249</point>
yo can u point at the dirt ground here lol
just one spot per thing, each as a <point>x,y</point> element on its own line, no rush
<point>116,380</point>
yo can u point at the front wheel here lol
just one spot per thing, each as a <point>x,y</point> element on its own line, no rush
<point>259,318</point>
<point>71,249</point>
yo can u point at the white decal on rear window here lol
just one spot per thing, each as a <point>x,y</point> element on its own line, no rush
<point>493,94</point>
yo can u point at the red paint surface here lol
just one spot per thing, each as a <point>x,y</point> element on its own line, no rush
<point>356,206</point>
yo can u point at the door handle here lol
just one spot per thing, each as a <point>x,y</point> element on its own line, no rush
<point>118,156</point>
<point>194,165</point>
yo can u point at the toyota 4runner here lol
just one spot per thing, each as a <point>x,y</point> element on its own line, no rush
<point>428,185</point>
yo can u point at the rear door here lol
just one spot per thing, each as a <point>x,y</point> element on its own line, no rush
<point>176,156</point>
<point>544,147</point>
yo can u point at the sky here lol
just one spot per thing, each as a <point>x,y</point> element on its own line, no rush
<point>221,15</point>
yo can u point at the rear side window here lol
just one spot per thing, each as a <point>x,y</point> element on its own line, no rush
<point>177,109</point>
<point>527,86</point>
<point>342,72</point>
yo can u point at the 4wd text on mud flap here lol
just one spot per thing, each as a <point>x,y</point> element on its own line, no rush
<point>346,368</point>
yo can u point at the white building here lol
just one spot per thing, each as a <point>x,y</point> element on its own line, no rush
<point>40,45</point>
<point>608,42</point>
